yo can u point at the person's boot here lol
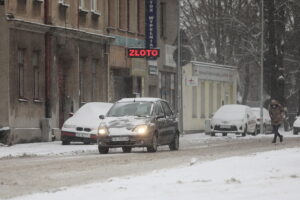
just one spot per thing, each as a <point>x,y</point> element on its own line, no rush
<point>274,140</point>
<point>281,138</point>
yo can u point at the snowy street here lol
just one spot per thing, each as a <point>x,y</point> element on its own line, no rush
<point>203,167</point>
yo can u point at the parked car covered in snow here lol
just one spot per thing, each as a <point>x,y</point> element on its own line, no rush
<point>296,126</point>
<point>138,122</point>
<point>266,119</point>
<point>83,125</point>
<point>238,119</point>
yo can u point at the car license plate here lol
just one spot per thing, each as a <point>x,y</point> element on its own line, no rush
<point>85,135</point>
<point>120,139</point>
<point>225,126</point>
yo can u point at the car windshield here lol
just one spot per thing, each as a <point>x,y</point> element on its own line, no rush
<point>140,109</point>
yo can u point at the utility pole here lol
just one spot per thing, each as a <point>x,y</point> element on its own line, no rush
<point>262,70</point>
<point>179,74</point>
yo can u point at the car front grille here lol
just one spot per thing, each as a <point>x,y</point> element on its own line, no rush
<point>232,128</point>
<point>83,129</point>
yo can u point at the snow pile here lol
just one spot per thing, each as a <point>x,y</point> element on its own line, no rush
<point>270,175</point>
<point>45,149</point>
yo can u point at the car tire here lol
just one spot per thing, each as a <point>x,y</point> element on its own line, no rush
<point>245,131</point>
<point>295,132</point>
<point>174,146</point>
<point>65,142</point>
<point>103,150</point>
<point>224,134</point>
<point>212,134</point>
<point>255,132</point>
<point>126,149</point>
<point>153,146</point>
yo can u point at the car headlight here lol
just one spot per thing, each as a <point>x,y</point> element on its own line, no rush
<point>141,129</point>
<point>69,126</point>
<point>102,131</point>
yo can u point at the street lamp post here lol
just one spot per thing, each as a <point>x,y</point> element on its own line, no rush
<point>262,69</point>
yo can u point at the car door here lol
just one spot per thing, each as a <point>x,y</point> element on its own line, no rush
<point>251,120</point>
<point>160,121</point>
<point>170,122</point>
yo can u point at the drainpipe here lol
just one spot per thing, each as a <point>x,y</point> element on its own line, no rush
<point>47,62</point>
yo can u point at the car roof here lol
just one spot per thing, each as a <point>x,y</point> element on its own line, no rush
<point>147,99</point>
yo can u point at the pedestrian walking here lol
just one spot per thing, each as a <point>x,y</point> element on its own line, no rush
<point>276,112</point>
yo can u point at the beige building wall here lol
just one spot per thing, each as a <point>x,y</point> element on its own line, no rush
<point>4,70</point>
<point>203,97</point>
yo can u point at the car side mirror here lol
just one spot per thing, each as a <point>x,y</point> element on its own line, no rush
<point>101,117</point>
<point>71,114</point>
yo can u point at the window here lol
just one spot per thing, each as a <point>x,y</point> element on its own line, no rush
<point>94,6</point>
<point>36,75</point>
<point>163,17</point>
<point>158,110</point>
<point>167,109</point>
<point>141,16</point>
<point>211,90</point>
<point>202,99</point>
<point>194,102</point>
<point>122,14</point>
<point>81,4</point>
<point>112,13</point>
<point>94,78</point>
<point>219,95</point>
<point>128,14</point>
<point>21,81</point>
<point>81,79</point>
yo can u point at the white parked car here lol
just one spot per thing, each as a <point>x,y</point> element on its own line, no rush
<point>296,126</point>
<point>233,118</point>
<point>266,119</point>
<point>83,125</point>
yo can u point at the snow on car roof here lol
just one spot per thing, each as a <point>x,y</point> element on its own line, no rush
<point>149,99</point>
<point>230,111</point>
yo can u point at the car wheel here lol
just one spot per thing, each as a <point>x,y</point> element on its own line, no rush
<point>212,134</point>
<point>65,142</point>
<point>245,131</point>
<point>126,149</point>
<point>295,132</point>
<point>174,146</point>
<point>255,131</point>
<point>103,150</point>
<point>224,134</point>
<point>153,146</point>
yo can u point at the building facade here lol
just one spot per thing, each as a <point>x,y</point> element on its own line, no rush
<point>205,88</point>
<point>55,60</point>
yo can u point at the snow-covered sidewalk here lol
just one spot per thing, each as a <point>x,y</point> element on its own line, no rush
<point>270,175</point>
<point>55,148</point>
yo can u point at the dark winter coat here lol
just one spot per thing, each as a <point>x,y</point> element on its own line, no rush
<point>276,112</point>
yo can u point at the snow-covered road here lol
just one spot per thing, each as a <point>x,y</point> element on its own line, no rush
<point>270,175</point>
<point>50,167</point>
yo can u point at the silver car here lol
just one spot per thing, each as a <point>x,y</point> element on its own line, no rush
<point>138,122</point>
